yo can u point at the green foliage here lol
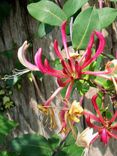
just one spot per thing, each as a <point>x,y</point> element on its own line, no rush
<point>47,12</point>
<point>99,100</point>
<point>82,86</point>
<point>106,16</point>
<point>113,0</point>
<point>44,29</point>
<point>70,148</point>
<point>57,64</point>
<point>54,142</point>
<point>106,84</point>
<point>31,145</point>
<point>34,145</point>
<point>86,22</point>
<point>5,127</point>
<point>5,98</point>
<point>5,153</point>
<point>71,6</point>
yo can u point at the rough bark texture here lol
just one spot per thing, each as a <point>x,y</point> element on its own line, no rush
<point>17,28</point>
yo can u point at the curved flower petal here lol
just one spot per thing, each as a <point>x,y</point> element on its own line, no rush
<point>96,108</point>
<point>90,124</point>
<point>52,71</point>
<point>103,74</point>
<point>63,83</point>
<point>48,102</point>
<point>38,61</point>
<point>104,136</point>
<point>63,29</point>
<point>22,57</point>
<point>57,50</point>
<point>87,55</point>
<point>98,51</point>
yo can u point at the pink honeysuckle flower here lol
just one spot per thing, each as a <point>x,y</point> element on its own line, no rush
<point>106,128</point>
<point>22,57</point>
<point>73,68</point>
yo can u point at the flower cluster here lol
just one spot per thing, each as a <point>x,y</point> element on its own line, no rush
<point>74,67</point>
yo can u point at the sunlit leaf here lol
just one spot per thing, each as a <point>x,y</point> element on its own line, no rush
<point>106,16</point>
<point>47,12</point>
<point>71,6</point>
<point>86,22</point>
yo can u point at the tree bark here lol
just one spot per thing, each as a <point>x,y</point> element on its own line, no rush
<point>16,28</point>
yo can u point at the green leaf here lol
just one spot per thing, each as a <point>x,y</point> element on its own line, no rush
<point>86,22</point>
<point>57,64</point>
<point>12,82</point>
<point>113,0</point>
<point>44,29</point>
<point>47,12</point>
<point>31,145</point>
<point>72,6</point>
<point>6,125</point>
<point>70,148</point>
<point>82,86</point>
<point>73,150</point>
<point>99,100</point>
<point>107,84</point>
<point>5,153</point>
<point>54,141</point>
<point>106,16</point>
<point>63,92</point>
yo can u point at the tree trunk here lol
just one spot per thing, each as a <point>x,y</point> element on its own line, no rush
<point>15,29</point>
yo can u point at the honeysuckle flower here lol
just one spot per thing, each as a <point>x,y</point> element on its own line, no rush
<point>84,139</point>
<point>48,112</point>
<point>75,111</point>
<point>106,128</point>
<point>69,116</point>
<point>22,57</point>
<point>73,68</point>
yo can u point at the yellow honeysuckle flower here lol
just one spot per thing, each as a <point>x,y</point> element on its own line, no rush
<point>75,111</point>
<point>49,112</point>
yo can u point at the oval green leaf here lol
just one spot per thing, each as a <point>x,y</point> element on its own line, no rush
<point>31,145</point>
<point>44,29</point>
<point>72,6</point>
<point>106,16</point>
<point>47,12</point>
<point>86,22</point>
